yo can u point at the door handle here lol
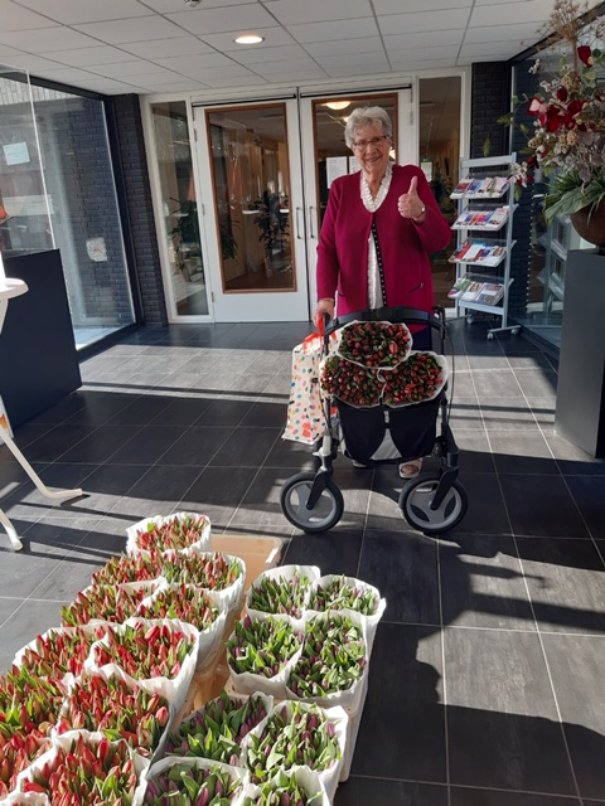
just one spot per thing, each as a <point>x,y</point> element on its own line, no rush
<point>311,228</point>
<point>299,229</point>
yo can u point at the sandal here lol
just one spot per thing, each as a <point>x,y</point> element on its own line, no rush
<point>409,470</point>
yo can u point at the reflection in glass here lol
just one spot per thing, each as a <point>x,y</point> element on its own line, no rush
<point>77,190</point>
<point>251,174</point>
<point>179,206</point>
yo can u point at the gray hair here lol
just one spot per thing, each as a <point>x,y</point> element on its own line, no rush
<point>367,116</point>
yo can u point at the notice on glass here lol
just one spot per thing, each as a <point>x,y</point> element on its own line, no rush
<point>335,167</point>
<point>97,249</point>
<point>16,153</point>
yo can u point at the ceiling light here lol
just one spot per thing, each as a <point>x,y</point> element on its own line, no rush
<point>249,39</point>
<point>192,3</point>
<point>337,104</point>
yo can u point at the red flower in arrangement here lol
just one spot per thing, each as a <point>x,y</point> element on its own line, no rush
<point>567,140</point>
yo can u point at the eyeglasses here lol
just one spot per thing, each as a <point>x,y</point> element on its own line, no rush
<point>361,145</point>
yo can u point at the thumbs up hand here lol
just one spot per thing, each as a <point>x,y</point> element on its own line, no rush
<point>410,204</point>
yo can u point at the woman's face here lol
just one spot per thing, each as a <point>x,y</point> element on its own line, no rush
<point>371,147</point>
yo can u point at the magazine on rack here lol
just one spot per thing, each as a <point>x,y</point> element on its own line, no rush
<point>465,289</point>
<point>488,254</point>
<point>482,219</point>
<point>490,187</point>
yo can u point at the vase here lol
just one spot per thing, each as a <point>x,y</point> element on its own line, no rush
<point>591,225</point>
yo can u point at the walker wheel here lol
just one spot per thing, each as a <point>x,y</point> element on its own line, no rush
<point>415,503</point>
<point>325,514</point>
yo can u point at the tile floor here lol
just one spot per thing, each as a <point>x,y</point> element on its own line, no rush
<point>486,682</point>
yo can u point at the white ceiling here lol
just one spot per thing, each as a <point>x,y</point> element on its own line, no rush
<point>144,46</point>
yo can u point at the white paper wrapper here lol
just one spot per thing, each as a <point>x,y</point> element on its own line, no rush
<point>33,645</point>
<point>106,673</point>
<point>233,595</point>
<point>132,545</point>
<point>382,324</point>
<point>174,690</point>
<point>128,587</point>
<point>371,622</point>
<point>248,682</point>
<point>64,743</point>
<point>349,699</point>
<point>308,780</point>
<point>283,572</point>
<point>445,374</point>
<point>338,717</point>
<point>240,698</point>
<point>235,773</point>
<point>25,799</point>
<point>210,638</point>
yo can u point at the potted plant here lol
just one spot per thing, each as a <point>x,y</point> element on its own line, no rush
<point>567,139</point>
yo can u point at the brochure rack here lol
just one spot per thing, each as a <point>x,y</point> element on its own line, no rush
<point>485,199</point>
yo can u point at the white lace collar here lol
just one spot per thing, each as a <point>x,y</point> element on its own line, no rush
<point>370,203</point>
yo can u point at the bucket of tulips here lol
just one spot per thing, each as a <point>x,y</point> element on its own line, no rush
<point>125,568</point>
<point>25,799</point>
<point>348,594</point>
<point>282,591</point>
<point>182,531</point>
<point>17,751</point>
<point>184,781</point>
<point>99,604</point>
<point>60,652</point>
<point>259,653</point>
<point>298,787</point>
<point>418,379</point>
<point>203,609</point>
<point>298,734</point>
<point>87,768</point>
<point>224,574</point>
<point>111,705</point>
<point>216,730</point>
<point>159,656</point>
<point>333,664</point>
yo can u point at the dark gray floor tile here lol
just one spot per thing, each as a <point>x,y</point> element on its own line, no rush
<point>475,451</point>
<point>531,360</point>
<point>502,720</point>
<point>100,444</point>
<point>589,494</point>
<point>56,442</point>
<point>146,447</point>
<point>181,411</point>
<point>260,504</point>
<point>496,383</point>
<point>463,385</point>
<point>486,513</point>
<point>357,790</point>
<point>402,732</point>
<point>196,447</point>
<point>141,411</point>
<point>522,451</point>
<point>265,415</point>
<point>384,512</point>
<point>55,540</point>
<point>482,584</point>
<point>218,491</point>
<point>63,410</point>
<point>571,459</point>
<point>8,607</point>
<point>543,409</point>
<point>21,573</point>
<point>403,566</point>
<point>461,796</point>
<point>29,432</point>
<point>96,408</point>
<point>489,361</point>
<point>500,414</point>
<point>224,412</point>
<point>565,579</point>
<point>541,506</point>
<point>68,576</point>
<point>576,667</point>
<point>294,455</point>
<point>246,447</point>
<point>537,382</point>
<point>465,413</point>
<point>334,552</point>
<point>29,503</point>
<point>102,488</point>
<point>30,619</point>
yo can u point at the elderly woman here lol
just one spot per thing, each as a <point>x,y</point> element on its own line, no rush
<point>385,211</point>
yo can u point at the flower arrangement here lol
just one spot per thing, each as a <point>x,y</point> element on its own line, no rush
<point>145,651</point>
<point>567,140</point>
<point>182,784</point>
<point>261,647</point>
<point>280,595</point>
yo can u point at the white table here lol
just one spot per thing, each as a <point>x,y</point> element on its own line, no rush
<point>10,288</point>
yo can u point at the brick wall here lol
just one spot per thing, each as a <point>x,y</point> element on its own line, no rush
<point>137,206</point>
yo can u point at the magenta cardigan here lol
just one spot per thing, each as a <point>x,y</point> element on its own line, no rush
<point>342,253</point>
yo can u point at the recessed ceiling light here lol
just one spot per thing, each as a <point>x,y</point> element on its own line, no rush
<point>249,39</point>
<point>337,104</point>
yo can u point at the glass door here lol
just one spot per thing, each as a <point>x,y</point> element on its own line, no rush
<point>249,156</point>
<point>325,155</point>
